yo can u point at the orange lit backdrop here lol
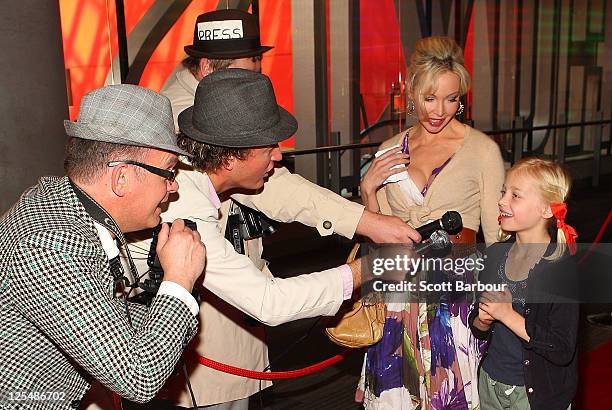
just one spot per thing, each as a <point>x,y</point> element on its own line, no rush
<point>86,26</point>
<point>89,30</point>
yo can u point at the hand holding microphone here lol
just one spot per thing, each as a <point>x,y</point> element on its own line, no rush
<point>391,229</point>
<point>449,222</point>
<point>435,233</point>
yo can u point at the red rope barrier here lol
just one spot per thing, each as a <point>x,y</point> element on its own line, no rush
<point>597,237</point>
<point>252,374</point>
<point>117,402</point>
<point>603,227</point>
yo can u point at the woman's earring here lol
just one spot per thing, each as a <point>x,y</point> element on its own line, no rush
<point>460,110</point>
<point>410,109</point>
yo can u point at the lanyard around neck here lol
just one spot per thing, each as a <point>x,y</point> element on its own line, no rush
<point>100,215</point>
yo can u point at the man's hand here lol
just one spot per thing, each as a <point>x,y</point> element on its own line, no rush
<point>181,253</point>
<point>386,229</point>
<point>364,268</point>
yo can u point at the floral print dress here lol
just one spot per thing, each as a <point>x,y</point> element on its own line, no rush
<point>428,357</point>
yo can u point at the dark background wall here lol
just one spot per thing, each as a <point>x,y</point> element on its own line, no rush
<point>33,98</point>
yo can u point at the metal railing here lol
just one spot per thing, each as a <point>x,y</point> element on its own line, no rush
<point>517,134</point>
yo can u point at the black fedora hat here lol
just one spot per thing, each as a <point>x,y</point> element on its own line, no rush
<point>236,108</point>
<point>226,34</point>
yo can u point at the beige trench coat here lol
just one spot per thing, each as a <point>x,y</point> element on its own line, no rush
<point>246,285</point>
<point>226,334</point>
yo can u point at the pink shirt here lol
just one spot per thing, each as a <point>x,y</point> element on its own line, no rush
<point>345,270</point>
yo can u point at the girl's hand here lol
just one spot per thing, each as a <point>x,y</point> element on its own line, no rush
<point>380,170</point>
<point>498,305</point>
<point>484,317</point>
<point>483,321</point>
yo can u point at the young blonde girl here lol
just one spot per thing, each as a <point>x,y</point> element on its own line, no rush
<point>531,355</point>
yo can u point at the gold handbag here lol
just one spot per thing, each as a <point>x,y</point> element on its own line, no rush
<point>362,325</point>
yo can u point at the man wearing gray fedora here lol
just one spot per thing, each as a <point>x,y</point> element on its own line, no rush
<point>65,320</point>
<point>232,131</point>
<point>230,39</point>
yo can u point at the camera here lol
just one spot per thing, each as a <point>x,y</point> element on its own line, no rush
<point>245,223</point>
<point>151,285</point>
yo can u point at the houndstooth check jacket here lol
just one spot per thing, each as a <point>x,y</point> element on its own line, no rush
<point>60,322</point>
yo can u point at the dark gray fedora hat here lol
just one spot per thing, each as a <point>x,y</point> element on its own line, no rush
<point>128,115</point>
<point>236,108</point>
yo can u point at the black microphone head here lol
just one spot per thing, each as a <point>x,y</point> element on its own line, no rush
<point>451,221</point>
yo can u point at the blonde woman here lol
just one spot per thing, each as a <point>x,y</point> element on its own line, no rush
<point>428,356</point>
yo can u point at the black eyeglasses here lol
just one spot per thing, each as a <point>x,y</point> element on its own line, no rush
<point>170,175</point>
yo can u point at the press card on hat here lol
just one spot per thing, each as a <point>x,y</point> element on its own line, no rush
<point>226,34</point>
<point>220,30</point>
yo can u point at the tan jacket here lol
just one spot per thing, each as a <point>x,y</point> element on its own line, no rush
<point>469,184</point>
<point>181,92</point>
<point>247,284</point>
<point>245,281</point>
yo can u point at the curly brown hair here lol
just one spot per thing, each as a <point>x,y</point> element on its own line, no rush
<point>209,158</point>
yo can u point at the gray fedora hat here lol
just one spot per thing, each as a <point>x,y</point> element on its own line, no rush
<point>236,108</point>
<point>128,115</point>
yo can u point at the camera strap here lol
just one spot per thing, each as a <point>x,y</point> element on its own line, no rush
<point>101,216</point>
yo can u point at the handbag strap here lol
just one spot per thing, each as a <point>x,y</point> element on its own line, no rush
<point>353,253</point>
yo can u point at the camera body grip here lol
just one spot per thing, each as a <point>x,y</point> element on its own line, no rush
<point>156,272</point>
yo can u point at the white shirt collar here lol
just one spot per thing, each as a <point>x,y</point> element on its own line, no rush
<point>108,243</point>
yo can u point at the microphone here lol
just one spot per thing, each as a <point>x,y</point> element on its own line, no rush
<point>437,240</point>
<point>450,222</point>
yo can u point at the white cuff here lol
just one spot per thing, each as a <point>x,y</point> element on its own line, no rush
<point>170,288</point>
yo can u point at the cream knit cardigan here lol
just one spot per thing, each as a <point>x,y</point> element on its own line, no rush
<point>469,184</point>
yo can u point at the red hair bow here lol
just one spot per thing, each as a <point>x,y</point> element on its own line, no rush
<point>559,210</point>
